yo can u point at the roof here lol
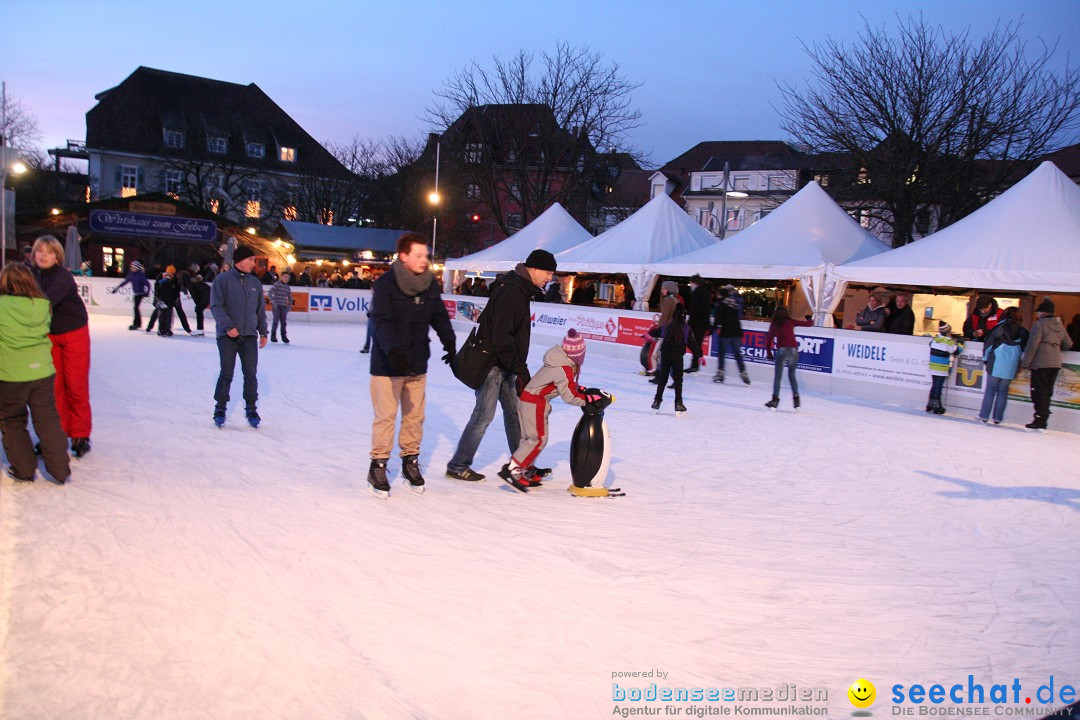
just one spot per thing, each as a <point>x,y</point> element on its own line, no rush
<point>554,230</point>
<point>806,231</point>
<point>1068,161</point>
<point>779,155</point>
<point>133,116</point>
<point>308,236</point>
<point>1001,246</point>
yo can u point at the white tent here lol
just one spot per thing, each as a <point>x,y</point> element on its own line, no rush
<point>1028,238</point>
<point>659,230</point>
<point>799,239</point>
<point>554,230</point>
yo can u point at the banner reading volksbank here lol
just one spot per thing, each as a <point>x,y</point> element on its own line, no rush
<point>815,351</point>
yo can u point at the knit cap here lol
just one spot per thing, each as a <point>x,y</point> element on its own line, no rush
<point>1046,306</point>
<point>671,286</point>
<point>136,266</point>
<point>944,328</point>
<point>574,346</point>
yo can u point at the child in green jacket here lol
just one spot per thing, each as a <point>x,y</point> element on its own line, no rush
<point>26,378</point>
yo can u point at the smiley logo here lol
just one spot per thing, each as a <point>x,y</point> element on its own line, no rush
<point>862,693</point>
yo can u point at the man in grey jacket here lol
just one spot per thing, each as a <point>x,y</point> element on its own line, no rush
<point>1043,355</point>
<point>239,308</point>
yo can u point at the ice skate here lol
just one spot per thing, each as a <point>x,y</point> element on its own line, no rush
<point>410,469</point>
<point>773,404</point>
<point>377,483</point>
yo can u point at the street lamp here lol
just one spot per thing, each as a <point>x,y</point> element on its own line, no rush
<point>434,198</point>
<point>9,164</point>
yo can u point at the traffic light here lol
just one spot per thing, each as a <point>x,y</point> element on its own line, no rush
<point>474,219</point>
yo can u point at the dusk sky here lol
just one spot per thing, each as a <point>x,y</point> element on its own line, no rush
<point>369,69</point>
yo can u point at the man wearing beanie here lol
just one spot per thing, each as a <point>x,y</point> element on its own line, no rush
<point>505,321</point>
<point>558,376</point>
<point>1043,356</point>
<point>239,309</point>
<point>140,288</point>
<point>405,303</point>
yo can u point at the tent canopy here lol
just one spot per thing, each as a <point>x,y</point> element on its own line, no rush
<point>554,230</point>
<point>1028,238</point>
<point>659,230</point>
<point>808,231</point>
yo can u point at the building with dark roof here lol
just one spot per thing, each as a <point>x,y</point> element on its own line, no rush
<point>221,146</point>
<point>313,241</point>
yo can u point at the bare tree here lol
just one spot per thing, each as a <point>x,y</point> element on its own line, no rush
<point>529,132</point>
<point>928,119</point>
<point>18,127</point>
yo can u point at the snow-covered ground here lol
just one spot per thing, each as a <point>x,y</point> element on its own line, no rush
<point>190,572</point>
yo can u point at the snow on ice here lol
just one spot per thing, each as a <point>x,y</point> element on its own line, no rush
<point>190,572</point>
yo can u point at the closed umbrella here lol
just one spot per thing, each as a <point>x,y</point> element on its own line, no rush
<point>72,250</point>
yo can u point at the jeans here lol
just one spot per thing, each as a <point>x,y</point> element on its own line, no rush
<point>199,310</point>
<point>137,299</point>
<point>280,313</point>
<point>788,357</point>
<point>995,398</point>
<point>937,382</point>
<point>499,387</point>
<point>247,347</point>
<point>670,364</point>
<point>370,331</point>
<point>1042,389</point>
<point>732,345</point>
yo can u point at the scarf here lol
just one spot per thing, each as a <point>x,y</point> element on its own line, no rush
<point>410,283</point>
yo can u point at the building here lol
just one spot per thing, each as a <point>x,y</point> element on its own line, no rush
<point>223,147</point>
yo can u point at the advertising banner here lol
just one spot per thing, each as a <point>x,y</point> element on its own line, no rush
<point>871,357</point>
<point>815,351</point>
<point>158,226</point>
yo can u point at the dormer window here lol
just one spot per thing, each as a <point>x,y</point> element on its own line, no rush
<point>217,144</point>
<point>287,154</point>
<point>256,150</point>
<point>174,139</point>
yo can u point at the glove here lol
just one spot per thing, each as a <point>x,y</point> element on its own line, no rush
<point>111,291</point>
<point>448,357</point>
<point>399,361</point>
<point>523,380</point>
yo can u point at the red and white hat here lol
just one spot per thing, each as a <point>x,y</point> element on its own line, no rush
<point>574,346</point>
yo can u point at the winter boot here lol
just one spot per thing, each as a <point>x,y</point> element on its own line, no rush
<point>252,416</point>
<point>410,468</point>
<point>377,483</point>
<point>745,377</point>
<point>719,377</point>
<point>514,477</point>
<point>774,403</point>
<point>80,446</point>
<point>795,401</point>
<point>219,415</point>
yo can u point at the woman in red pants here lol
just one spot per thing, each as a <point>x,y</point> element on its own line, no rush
<point>70,339</point>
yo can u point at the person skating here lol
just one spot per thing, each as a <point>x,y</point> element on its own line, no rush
<point>406,303</point>
<point>140,288</point>
<point>675,338</point>
<point>239,309</point>
<point>1043,356</point>
<point>782,330</point>
<point>200,295</point>
<point>942,349</point>
<point>280,296</point>
<point>698,319</point>
<point>1002,350</point>
<point>558,376</point>
<point>729,334</point>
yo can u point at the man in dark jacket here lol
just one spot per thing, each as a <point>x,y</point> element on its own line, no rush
<point>239,309</point>
<point>698,318</point>
<point>405,303</point>
<point>899,317</point>
<point>506,322</point>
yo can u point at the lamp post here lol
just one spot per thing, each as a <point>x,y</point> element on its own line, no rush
<point>434,199</point>
<point>723,203</point>
<point>8,162</point>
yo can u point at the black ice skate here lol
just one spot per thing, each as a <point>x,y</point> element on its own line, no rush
<point>377,483</point>
<point>410,468</point>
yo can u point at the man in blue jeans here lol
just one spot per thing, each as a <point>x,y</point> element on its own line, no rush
<point>506,321</point>
<point>239,309</point>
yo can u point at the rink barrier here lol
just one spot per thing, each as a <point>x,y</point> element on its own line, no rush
<point>872,366</point>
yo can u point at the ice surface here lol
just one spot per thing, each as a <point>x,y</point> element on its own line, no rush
<point>191,572</point>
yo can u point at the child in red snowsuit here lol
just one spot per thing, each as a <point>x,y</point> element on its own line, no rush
<point>562,364</point>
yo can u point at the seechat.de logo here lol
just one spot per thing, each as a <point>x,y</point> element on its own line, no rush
<point>862,693</point>
<point>321,303</point>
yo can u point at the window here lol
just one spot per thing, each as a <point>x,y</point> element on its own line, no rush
<point>763,212</point>
<point>864,176</point>
<point>174,139</point>
<point>741,182</point>
<point>513,220</point>
<point>922,221</point>
<point>780,182</point>
<point>287,154</point>
<point>216,181</point>
<point>217,144</point>
<point>253,207</point>
<point>472,191</point>
<point>515,193</point>
<point>474,153</point>
<point>710,181</point>
<point>215,205</point>
<point>734,219</point>
<point>289,212</point>
<point>822,180</point>
<point>289,202</point>
<point>256,150</point>
<point>326,216</point>
<point>129,180</point>
<point>112,257</point>
<point>173,180</point>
